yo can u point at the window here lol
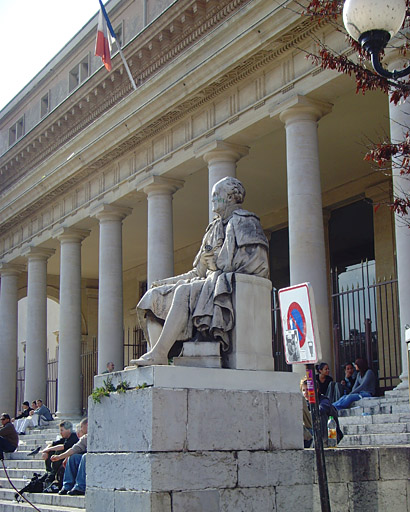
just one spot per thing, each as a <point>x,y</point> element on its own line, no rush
<point>120,39</point>
<point>79,73</point>
<point>16,131</point>
<point>45,105</point>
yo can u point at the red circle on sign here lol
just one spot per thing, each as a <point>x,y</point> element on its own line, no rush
<point>296,320</point>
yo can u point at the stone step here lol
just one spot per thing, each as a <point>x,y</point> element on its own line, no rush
<point>23,463</point>
<point>45,499</point>
<point>25,473</point>
<point>375,440</point>
<point>12,506</point>
<point>375,408</point>
<point>376,418</point>
<point>376,428</point>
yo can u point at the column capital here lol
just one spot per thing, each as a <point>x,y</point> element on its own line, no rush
<point>221,151</point>
<point>301,108</point>
<point>38,253</point>
<point>64,234</point>
<point>107,212</point>
<point>9,269</point>
<point>157,185</point>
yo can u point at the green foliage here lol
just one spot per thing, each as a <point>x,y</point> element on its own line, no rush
<point>109,388</point>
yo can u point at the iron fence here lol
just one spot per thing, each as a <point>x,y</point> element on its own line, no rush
<point>366,324</point>
<point>88,371</point>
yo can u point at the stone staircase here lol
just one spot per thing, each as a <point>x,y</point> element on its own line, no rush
<point>377,421</point>
<point>21,468</point>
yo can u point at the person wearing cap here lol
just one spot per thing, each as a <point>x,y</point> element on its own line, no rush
<point>9,438</point>
<point>22,420</point>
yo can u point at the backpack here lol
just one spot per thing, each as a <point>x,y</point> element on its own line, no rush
<point>36,484</point>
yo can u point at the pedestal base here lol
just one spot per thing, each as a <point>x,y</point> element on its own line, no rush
<point>185,433</point>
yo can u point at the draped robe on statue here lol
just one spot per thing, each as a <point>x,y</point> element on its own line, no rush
<point>240,246</point>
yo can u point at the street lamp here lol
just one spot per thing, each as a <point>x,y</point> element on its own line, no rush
<point>373,23</point>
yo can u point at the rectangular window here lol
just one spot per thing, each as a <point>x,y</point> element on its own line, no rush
<point>73,79</point>
<point>119,33</point>
<point>45,105</point>
<point>16,131</point>
<point>79,73</point>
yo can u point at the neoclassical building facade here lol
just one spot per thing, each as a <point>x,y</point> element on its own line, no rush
<point>105,189</point>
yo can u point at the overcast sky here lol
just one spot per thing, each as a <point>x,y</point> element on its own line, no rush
<point>33,31</point>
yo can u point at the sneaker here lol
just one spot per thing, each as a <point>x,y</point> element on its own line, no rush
<point>76,492</point>
<point>63,492</point>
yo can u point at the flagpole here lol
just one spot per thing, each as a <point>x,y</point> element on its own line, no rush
<point>111,30</point>
<point>126,65</point>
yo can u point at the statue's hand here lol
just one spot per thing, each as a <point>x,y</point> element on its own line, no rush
<point>155,284</point>
<point>209,260</point>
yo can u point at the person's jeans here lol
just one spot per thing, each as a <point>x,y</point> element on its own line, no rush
<point>346,401</point>
<point>74,474</point>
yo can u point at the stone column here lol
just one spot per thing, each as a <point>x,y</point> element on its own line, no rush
<point>110,296</point>
<point>69,360</point>
<point>221,158</point>
<point>36,347</point>
<point>160,226</point>
<point>399,125</point>
<point>8,337</point>
<point>307,251</point>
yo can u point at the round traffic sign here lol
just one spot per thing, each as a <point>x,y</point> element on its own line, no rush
<point>296,320</point>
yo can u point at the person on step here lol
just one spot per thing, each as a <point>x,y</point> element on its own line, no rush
<point>9,438</point>
<point>74,482</point>
<point>67,440</point>
<point>364,387</point>
<point>110,367</point>
<point>23,419</point>
<point>41,415</point>
<point>323,378</point>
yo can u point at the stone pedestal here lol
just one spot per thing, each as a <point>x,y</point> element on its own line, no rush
<point>252,334</point>
<point>182,437</point>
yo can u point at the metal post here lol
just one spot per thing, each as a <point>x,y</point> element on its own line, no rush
<point>317,435</point>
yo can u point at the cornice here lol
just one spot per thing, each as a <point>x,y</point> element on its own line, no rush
<point>292,38</point>
<point>157,46</point>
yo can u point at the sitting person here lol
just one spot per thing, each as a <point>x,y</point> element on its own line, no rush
<point>110,367</point>
<point>42,415</point>
<point>349,379</point>
<point>336,390</point>
<point>67,440</point>
<point>201,300</point>
<point>9,438</point>
<point>74,482</point>
<point>307,418</point>
<point>22,420</point>
<point>326,410</point>
<point>364,387</point>
<point>323,378</point>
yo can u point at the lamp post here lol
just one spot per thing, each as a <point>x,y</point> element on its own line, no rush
<point>373,23</point>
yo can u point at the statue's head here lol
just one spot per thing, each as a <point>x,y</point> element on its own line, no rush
<point>225,193</point>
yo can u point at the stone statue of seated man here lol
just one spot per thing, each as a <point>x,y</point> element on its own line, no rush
<point>200,301</point>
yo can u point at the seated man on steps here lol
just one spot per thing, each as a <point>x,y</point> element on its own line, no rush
<point>74,482</point>
<point>9,438</point>
<point>67,440</point>
<point>200,301</point>
<point>41,415</point>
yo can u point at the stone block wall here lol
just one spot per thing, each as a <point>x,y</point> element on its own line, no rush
<point>211,450</point>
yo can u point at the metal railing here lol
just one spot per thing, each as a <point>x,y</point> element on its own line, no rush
<point>88,371</point>
<point>366,324</point>
<point>51,390</point>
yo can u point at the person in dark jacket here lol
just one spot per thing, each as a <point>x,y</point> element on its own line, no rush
<point>67,440</point>
<point>9,438</point>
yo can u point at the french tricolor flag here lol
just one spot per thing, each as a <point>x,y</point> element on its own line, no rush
<point>102,43</point>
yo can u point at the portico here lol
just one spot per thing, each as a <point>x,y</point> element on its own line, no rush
<point>133,191</point>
